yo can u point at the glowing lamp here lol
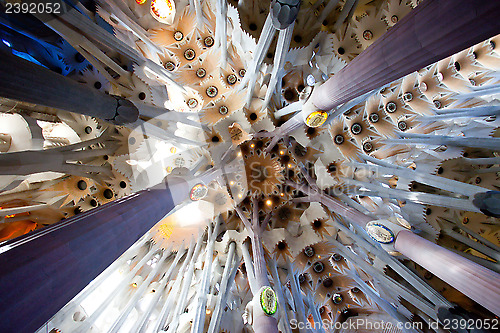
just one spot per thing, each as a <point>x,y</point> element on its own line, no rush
<point>140,2</point>
<point>165,230</point>
<point>163,10</point>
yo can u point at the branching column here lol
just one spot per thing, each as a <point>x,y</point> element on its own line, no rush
<point>434,30</point>
<point>42,271</point>
<point>28,82</point>
<point>473,280</point>
<point>262,323</point>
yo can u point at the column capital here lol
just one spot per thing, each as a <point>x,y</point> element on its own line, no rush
<point>311,114</point>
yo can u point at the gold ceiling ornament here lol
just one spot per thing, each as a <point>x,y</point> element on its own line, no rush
<point>286,214</point>
<point>103,194</point>
<point>74,188</point>
<point>316,119</point>
<point>238,134</point>
<point>88,203</point>
<point>120,184</point>
<point>264,173</point>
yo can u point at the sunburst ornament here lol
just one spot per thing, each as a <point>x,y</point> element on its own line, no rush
<point>264,173</point>
<point>74,188</point>
<point>238,135</point>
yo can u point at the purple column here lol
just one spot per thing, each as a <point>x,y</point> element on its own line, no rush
<point>340,208</point>
<point>473,280</point>
<point>42,271</point>
<point>434,30</point>
<point>28,82</point>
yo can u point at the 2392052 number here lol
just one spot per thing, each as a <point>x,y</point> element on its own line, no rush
<point>467,324</point>
<point>33,8</point>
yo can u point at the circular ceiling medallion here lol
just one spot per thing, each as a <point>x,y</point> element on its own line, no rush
<point>192,103</point>
<point>391,107</point>
<point>339,139</point>
<point>231,79</point>
<point>356,128</point>
<point>212,91</point>
<point>337,257</point>
<point>374,117</point>
<point>178,35</point>
<point>402,125</point>
<point>201,72</point>
<point>367,146</point>
<point>407,97</point>
<point>318,267</point>
<point>337,299</point>
<point>208,41</point>
<point>309,251</point>
<point>189,54</point>
<point>223,110</point>
<point>367,35</point>
<point>169,66</point>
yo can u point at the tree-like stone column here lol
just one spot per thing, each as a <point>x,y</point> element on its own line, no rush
<point>473,280</point>
<point>434,30</point>
<point>28,82</point>
<point>42,271</point>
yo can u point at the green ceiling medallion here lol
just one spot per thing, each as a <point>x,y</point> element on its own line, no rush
<point>268,301</point>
